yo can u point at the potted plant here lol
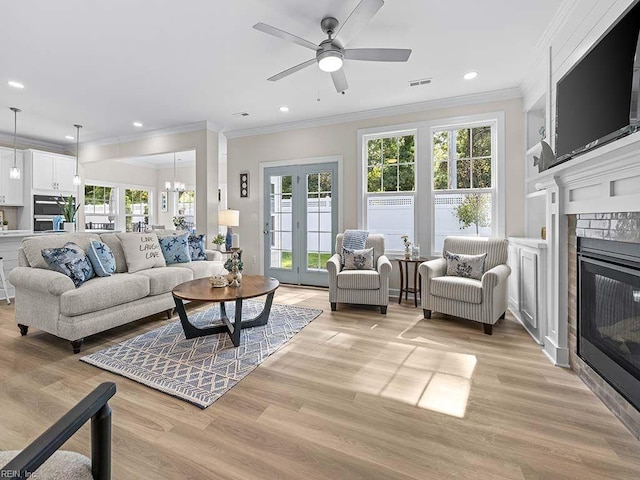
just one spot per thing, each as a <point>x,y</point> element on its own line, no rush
<point>179,222</point>
<point>68,209</point>
<point>407,246</point>
<point>5,225</point>
<point>218,241</point>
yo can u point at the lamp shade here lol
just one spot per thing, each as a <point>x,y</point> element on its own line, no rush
<point>229,218</point>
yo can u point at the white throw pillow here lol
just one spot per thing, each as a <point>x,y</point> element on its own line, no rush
<point>468,266</point>
<point>142,251</point>
<point>358,259</point>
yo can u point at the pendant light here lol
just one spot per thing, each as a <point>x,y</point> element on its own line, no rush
<point>76,177</point>
<point>14,172</point>
<point>174,186</point>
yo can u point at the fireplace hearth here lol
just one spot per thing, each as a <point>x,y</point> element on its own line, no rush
<point>609,313</point>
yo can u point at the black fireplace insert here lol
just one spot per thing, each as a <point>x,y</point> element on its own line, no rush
<point>609,312</point>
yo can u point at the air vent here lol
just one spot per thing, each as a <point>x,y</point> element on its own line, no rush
<point>417,83</point>
<point>240,114</point>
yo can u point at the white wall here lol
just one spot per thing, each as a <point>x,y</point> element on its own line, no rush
<point>185,174</point>
<point>246,153</point>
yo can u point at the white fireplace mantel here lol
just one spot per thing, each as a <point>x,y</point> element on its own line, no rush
<point>603,180</point>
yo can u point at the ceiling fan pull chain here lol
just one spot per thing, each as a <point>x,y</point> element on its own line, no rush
<point>318,84</point>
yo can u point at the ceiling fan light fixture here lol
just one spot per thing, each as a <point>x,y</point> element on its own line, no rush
<point>330,61</point>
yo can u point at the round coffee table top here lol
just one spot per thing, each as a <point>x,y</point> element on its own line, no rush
<point>201,289</point>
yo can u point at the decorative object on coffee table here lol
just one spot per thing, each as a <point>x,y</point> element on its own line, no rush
<point>234,266</point>
<point>202,291</point>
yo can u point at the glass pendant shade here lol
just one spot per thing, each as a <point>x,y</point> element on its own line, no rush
<point>77,180</point>
<point>14,172</point>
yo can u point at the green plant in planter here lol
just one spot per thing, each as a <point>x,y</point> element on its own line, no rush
<point>68,208</point>
<point>219,239</point>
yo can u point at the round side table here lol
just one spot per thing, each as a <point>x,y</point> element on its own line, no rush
<point>405,286</point>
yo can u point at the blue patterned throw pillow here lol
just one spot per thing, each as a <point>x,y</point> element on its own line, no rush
<point>102,259</point>
<point>197,248</point>
<point>71,261</point>
<point>175,248</point>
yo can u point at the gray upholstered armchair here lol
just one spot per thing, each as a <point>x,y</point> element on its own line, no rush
<point>363,287</point>
<point>484,300</point>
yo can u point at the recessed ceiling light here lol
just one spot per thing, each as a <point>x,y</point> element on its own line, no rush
<point>69,137</point>
<point>137,124</point>
<point>15,84</point>
<point>284,108</point>
<point>470,75</point>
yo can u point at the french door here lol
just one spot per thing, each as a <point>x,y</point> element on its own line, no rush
<point>301,222</point>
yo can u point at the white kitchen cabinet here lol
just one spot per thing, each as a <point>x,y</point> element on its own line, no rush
<point>527,299</point>
<point>11,190</point>
<point>52,172</point>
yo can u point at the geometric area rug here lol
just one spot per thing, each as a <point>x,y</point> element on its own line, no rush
<point>201,370</point>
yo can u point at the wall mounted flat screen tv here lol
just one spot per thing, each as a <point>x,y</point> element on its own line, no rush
<point>597,100</point>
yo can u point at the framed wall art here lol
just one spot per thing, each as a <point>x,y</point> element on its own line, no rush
<point>244,184</point>
<point>164,202</point>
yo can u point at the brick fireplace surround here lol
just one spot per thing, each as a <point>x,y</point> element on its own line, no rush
<point>624,227</point>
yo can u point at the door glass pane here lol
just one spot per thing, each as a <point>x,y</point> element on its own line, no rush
<point>281,231</point>
<point>318,219</point>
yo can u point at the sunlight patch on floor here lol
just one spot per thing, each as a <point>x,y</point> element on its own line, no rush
<point>430,379</point>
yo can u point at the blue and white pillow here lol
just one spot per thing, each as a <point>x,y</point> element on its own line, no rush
<point>197,248</point>
<point>175,248</point>
<point>71,261</point>
<point>102,259</point>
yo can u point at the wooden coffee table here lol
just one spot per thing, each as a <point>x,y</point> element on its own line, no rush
<point>202,291</point>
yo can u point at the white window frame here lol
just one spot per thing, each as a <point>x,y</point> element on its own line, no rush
<point>389,133</point>
<point>493,191</point>
<point>423,212</point>
<point>105,215</point>
<point>151,200</point>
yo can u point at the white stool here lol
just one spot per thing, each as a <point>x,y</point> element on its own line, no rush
<point>4,282</point>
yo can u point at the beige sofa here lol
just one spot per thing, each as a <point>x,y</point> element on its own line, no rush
<point>49,301</point>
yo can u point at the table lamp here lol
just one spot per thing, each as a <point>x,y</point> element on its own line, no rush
<point>230,218</point>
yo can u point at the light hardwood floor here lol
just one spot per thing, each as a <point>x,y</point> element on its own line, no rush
<point>355,395</point>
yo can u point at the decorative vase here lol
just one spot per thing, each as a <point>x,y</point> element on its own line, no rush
<point>69,227</point>
<point>407,252</point>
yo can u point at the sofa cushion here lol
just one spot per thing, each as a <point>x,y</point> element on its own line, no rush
<point>33,246</point>
<point>462,289</point>
<point>163,280</point>
<point>175,249</point>
<point>112,241</point>
<point>102,259</point>
<point>197,248</point>
<point>468,266</point>
<point>71,261</point>
<point>203,269</point>
<point>359,280</point>
<point>103,292</point>
<point>142,251</point>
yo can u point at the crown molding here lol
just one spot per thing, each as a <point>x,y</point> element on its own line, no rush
<point>25,143</point>
<point>485,97</point>
<point>189,127</point>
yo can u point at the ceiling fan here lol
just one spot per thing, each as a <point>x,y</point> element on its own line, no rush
<point>331,52</point>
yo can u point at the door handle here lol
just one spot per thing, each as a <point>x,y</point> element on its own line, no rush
<point>266,229</point>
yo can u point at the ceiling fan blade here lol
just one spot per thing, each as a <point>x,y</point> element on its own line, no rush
<point>378,54</point>
<point>291,70</point>
<point>360,16</point>
<point>339,80</point>
<point>276,32</point>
